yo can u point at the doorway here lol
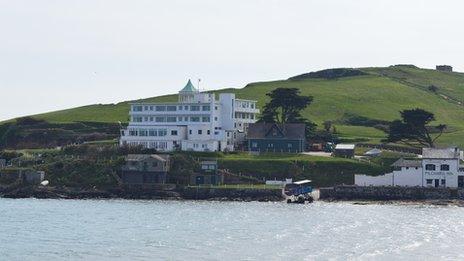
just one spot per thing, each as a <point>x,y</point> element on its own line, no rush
<point>460,181</point>
<point>437,183</point>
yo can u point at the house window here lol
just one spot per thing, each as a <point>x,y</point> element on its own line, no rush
<point>154,164</point>
<point>443,182</point>
<point>204,146</point>
<point>429,181</point>
<point>430,167</point>
<point>254,144</point>
<point>270,145</point>
<point>200,132</point>
<point>289,145</point>
<point>174,133</point>
<point>444,167</point>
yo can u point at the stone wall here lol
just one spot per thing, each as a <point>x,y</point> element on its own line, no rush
<point>232,194</point>
<point>389,193</point>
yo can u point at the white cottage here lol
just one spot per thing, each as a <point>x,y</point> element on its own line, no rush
<point>437,168</point>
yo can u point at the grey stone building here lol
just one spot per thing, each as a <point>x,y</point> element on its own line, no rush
<point>145,169</point>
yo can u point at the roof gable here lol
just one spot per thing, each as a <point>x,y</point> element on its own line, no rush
<point>290,131</point>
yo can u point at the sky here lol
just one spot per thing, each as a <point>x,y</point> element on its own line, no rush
<point>57,54</point>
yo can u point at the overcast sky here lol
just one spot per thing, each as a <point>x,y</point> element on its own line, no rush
<point>57,54</point>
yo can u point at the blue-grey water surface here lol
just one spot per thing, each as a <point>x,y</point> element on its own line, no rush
<point>32,229</point>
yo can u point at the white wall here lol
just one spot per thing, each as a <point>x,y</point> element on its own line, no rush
<point>407,177</point>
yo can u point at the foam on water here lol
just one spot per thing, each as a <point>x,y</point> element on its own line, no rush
<point>32,229</point>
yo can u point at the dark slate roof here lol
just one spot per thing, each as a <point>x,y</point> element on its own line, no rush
<point>141,157</point>
<point>292,131</point>
<point>407,163</point>
<point>432,153</point>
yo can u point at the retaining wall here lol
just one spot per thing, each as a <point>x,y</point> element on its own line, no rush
<point>389,193</point>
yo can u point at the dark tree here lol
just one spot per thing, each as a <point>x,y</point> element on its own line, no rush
<point>285,106</point>
<point>413,127</point>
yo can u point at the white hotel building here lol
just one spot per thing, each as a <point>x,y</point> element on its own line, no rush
<point>437,168</point>
<point>197,122</point>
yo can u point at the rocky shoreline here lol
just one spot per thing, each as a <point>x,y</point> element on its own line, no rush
<point>181,193</point>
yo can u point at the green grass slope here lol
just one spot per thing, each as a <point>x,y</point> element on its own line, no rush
<point>379,95</point>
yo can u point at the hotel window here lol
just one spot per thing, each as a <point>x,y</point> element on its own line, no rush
<point>252,116</point>
<point>171,119</point>
<point>146,108</point>
<point>195,119</point>
<point>180,108</point>
<point>252,105</point>
<point>216,133</point>
<point>162,132</point>
<point>205,119</point>
<point>137,119</point>
<point>190,132</point>
<point>142,132</point>
<point>152,133</point>
<point>194,108</point>
<point>289,145</point>
<point>186,108</point>
<point>208,132</point>
<point>137,108</point>
<point>160,119</point>
<point>151,118</point>
<point>195,145</point>
<point>443,182</point>
<point>186,118</point>
<point>173,133</point>
<point>171,108</point>
<point>204,146</point>
<point>430,167</point>
<point>132,133</point>
<point>200,132</point>
<point>145,118</point>
<point>254,144</point>
<point>215,118</point>
<point>216,108</point>
<point>160,108</point>
<point>151,108</point>
<point>444,167</point>
<point>180,118</point>
<point>206,108</point>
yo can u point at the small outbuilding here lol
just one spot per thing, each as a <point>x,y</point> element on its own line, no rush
<point>208,175</point>
<point>444,68</point>
<point>344,150</point>
<point>274,137</point>
<point>145,169</point>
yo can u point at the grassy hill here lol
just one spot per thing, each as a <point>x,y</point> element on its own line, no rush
<point>375,94</point>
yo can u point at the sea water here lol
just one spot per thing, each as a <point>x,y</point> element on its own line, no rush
<point>33,229</point>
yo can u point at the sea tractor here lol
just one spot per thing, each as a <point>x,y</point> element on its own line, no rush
<point>298,192</point>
